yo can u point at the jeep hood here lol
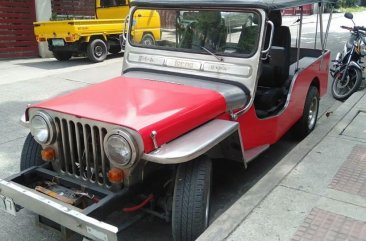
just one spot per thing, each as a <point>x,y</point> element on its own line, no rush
<point>142,105</point>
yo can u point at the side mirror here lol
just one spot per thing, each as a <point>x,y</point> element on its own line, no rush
<point>348,15</point>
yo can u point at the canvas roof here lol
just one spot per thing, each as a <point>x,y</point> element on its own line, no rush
<point>264,4</point>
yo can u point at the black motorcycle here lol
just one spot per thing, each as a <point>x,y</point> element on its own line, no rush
<point>347,67</point>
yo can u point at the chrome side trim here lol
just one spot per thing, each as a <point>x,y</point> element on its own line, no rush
<point>66,215</point>
<point>194,143</point>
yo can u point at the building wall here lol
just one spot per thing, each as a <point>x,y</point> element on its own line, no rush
<point>73,7</point>
<point>16,29</point>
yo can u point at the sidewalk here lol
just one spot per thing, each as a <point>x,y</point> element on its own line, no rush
<point>317,192</point>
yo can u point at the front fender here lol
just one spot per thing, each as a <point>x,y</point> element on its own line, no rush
<point>342,67</point>
<point>355,64</point>
<point>194,143</point>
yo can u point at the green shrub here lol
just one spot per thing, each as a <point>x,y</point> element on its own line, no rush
<point>346,3</point>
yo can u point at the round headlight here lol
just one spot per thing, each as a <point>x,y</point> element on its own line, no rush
<point>42,128</point>
<point>118,150</point>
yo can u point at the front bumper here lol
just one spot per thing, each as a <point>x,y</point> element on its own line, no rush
<point>86,222</point>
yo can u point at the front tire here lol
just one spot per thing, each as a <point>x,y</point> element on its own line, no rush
<point>97,51</point>
<point>191,199</point>
<point>309,117</point>
<point>31,153</point>
<point>342,89</point>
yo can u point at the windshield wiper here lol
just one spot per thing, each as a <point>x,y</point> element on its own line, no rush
<point>219,58</point>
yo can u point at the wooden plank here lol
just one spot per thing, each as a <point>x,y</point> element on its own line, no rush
<point>15,15</point>
<point>16,37</point>
<point>17,44</point>
<point>19,54</point>
<point>16,27</point>
<point>20,32</point>
<point>15,49</point>
<point>14,10</point>
<point>14,21</point>
<point>17,4</point>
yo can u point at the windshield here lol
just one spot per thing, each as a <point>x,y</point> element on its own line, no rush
<point>217,33</point>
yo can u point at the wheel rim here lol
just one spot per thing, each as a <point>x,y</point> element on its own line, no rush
<point>98,50</point>
<point>344,87</point>
<point>313,110</point>
<point>147,41</point>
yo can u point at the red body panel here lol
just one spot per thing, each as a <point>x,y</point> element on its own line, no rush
<point>173,109</point>
<point>256,132</point>
<point>144,106</point>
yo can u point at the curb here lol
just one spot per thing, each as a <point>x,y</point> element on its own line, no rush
<point>225,224</point>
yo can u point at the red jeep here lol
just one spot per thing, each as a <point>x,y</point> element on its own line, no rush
<point>223,81</point>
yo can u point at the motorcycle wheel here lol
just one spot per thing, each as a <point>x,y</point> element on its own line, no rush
<point>342,89</point>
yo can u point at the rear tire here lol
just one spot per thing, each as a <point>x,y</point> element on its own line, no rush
<point>148,39</point>
<point>62,56</point>
<point>31,153</point>
<point>191,199</point>
<point>309,117</point>
<point>97,51</point>
<point>342,89</point>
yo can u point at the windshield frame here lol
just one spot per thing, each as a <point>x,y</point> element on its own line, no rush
<point>201,51</point>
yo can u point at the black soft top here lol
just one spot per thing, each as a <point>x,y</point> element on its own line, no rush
<point>267,5</point>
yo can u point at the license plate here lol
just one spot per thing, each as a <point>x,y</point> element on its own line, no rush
<point>58,42</point>
<point>7,205</point>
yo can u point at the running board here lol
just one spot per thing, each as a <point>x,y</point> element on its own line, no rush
<point>250,154</point>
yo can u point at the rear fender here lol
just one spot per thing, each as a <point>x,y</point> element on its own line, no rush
<point>90,38</point>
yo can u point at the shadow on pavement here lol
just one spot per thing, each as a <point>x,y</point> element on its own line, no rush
<point>55,64</point>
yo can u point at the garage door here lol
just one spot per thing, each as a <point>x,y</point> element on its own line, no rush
<point>16,29</point>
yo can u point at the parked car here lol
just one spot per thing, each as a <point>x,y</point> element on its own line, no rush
<point>144,141</point>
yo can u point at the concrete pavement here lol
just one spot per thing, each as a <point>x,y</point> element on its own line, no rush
<point>317,192</point>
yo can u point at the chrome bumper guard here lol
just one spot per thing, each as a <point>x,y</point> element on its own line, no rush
<point>73,218</point>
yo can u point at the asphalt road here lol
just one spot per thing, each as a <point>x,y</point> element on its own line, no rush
<point>29,81</point>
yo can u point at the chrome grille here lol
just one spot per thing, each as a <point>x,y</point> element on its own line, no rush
<point>81,153</point>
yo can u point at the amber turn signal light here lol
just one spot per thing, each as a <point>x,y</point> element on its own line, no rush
<point>115,175</point>
<point>48,154</point>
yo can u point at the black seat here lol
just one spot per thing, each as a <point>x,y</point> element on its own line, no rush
<point>271,94</point>
<point>276,69</point>
<point>207,30</point>
<point>248,37</point>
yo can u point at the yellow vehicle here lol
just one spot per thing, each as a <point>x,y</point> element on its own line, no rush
<point>96,37</point>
